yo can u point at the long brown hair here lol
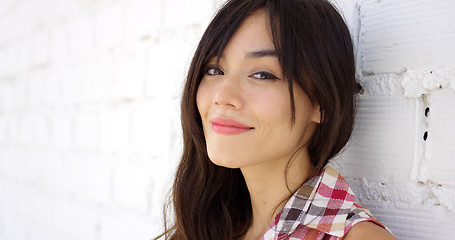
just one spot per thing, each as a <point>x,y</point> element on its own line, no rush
<point>315,50</point>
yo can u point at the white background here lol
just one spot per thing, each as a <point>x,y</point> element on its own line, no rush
<point>89,114</point>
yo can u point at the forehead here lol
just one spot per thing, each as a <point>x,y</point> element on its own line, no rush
<point>253,34</point>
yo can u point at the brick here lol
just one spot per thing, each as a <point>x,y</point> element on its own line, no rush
<point>38,232</point>
<point>176,12</point>
<point>24,127</point>
<point>59,43</point>
<point>141,17</point>
<point>14,127</point>
<point>17,225</point>
<point>3,63</point>
<point>4,129</point>
<point>382,123</point>
<point>40,48</point>
<point>3,166</point>
<point>29,11</point>
<point>414,221</point>
<point>2,206</point>
<point>151,128</point>
<point>130,76</point>
<point>441,137</point>
<point>6,28</point>
<point>61,129</point>
<point>20,92</point>
<point>416,206</point>
<point>7,4</point>
<point>36,87</point>
<point>7,95</point>
<point>98,79</point>
<point>167,69</point>
<point>58,13</point>
<point>118,224</point>
<point>86,130</point>
<point>41,135</point>
<point>51,85</point>
<point>81,36</point>
<point>132,178</point>
<point>34,129</point>
<point>109,26</point>
<point>72,84</point>
<point>163,176</point>
<point>115,129</point>
<point>388,44</point>
<point>18,160</point>
<point>7,60</point>
<point>88,176</point>
<point>23,54</point>
<point>53,169</point>
<point>16,16</point>
<point>34,202</point>
<point>4,87</point>
<point>77,219</point>
<point>349,10</point>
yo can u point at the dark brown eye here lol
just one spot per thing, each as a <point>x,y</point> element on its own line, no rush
<point>264,75</point>
<point>213,70</point>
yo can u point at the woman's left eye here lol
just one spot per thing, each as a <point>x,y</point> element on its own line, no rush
<point>264,75</point>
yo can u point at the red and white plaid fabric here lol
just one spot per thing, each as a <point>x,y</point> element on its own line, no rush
<point>323,208</point>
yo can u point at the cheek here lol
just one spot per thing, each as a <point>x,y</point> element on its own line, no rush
<point>274,108</point>
<point>201,99</point>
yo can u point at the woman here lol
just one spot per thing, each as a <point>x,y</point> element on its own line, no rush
<point>267,102</point>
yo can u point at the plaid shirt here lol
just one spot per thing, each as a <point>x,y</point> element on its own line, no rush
<point>323,208</point>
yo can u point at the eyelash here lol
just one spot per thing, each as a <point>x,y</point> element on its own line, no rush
<point>264,75</point>
<point>215,68</point>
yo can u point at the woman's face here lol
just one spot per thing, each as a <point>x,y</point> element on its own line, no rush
<point>244,102</point>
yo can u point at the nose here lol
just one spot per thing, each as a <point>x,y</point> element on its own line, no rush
<point>229,93</point>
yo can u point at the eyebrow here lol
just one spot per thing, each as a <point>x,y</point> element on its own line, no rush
<point>262,53</point>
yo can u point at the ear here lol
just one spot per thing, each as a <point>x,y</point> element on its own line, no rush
<point>316,115</point>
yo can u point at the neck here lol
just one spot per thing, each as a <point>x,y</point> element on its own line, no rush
<point>270,185</point>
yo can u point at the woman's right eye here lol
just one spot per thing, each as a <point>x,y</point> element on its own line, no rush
<point>213,70</point>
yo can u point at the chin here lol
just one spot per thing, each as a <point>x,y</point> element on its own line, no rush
<point>227,163</point>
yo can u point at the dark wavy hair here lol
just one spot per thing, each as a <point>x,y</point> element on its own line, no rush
<point>315,51</point>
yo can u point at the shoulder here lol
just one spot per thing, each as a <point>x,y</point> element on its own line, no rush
<point>368,230</point>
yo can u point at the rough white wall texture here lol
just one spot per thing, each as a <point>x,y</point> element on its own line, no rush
<point>89,122</point>
<point>89,115</point>
<point>400,160</point>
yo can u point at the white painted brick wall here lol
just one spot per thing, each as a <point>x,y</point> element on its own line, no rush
<point>405,64</point>
<point>89,114</point>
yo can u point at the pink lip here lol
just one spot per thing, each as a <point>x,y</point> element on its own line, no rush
<point>228,126</point>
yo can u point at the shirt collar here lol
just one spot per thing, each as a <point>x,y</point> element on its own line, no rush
<point>321,203</point>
